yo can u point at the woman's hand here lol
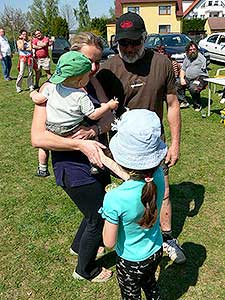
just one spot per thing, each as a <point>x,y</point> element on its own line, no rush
<point>91,149</point>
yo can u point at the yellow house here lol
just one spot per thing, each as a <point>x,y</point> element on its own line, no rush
<point>160,16</point>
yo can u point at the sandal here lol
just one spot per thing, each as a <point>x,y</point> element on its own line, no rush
<point>104,276</point>
<point>101,251</point>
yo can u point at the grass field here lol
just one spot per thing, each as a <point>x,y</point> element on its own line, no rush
<point>38,220</point>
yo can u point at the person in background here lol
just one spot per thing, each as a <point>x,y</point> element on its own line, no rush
<point>24,46</point>
<point>192,74</point>
<point>40,44</point>
<point>143,78</point>
<point>132,210</point>
<point>5,55</point>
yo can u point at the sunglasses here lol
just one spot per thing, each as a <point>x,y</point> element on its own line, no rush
<point>126,42</point>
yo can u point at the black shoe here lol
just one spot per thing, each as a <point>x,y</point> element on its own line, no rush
<point>41,173</point>
<point>197,107</point>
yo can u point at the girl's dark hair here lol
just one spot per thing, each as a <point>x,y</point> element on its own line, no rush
<point>22,30</point>
<point>148,197</point>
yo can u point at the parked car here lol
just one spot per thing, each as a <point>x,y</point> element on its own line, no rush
<point>59,47</point>
<point>108,51</point>
<point>174,44</point>
<point>215,44</point>
<point>62,45</point>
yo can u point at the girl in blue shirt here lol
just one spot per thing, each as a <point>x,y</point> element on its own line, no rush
<point>131,211</point>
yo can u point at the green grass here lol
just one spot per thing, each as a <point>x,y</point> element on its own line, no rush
<point>38,220</point>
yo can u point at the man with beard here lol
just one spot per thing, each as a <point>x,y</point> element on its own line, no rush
<point>193,72</point>
<point>142,78</point>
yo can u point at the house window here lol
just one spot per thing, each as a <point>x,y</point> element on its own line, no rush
<point>134,9</point>
<point>165,10</point>
<point>164,28</point>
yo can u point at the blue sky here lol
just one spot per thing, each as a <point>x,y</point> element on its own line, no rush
<point>97,8</point>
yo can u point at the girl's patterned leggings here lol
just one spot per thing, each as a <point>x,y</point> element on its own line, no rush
<point>134,276</point>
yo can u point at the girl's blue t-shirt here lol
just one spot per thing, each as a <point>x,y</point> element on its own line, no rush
<point>123,206</point>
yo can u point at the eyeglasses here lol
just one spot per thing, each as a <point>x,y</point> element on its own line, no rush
<point>126,42</point>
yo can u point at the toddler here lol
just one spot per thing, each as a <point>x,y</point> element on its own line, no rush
<point>67,100</point>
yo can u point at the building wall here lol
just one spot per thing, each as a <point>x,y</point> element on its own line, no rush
<point>111,30</point>
<point>150,13</point>
<point>207,8</point>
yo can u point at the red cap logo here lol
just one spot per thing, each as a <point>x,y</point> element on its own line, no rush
<point>126,24</point>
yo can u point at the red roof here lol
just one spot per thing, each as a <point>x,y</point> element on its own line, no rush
<point>190,7</point>
<point>216,23</point>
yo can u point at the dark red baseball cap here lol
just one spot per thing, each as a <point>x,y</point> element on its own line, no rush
<point>129,26</point>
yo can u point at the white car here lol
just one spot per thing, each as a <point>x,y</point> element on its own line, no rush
<point>215,44</point>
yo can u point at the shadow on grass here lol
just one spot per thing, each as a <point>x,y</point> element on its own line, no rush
<point>216,111</point>
<point>174,280</point>
<point>186,199</point>
<point>108,260</point>
<point>203,101</point>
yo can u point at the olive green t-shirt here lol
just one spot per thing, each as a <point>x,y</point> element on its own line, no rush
<point>143,84</point>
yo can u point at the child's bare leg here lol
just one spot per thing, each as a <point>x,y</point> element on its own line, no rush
<point>43,156</point>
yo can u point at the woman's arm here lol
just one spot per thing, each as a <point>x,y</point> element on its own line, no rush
<point>41,138</point>
<point>110,234</point>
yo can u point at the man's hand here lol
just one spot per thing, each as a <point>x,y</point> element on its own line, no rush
<point>183,81</point>
<point>0,57</point>
<point>172,155</point>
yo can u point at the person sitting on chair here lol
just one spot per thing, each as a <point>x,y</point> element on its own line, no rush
<point>192,74</point>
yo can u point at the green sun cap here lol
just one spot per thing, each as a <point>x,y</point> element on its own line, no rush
<point>70,64</point>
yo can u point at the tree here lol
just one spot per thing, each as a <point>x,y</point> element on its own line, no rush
<point>193,25</point>
<point>67,14</point>
<point>82,15</point>
<point>41,15</point>
<point>13,20</point>
<point>99,25</point>
<point>60,28</point>
<point>112,12</point>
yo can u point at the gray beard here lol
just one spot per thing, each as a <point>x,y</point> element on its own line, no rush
<point>192,56</point>
<point>132,58</point>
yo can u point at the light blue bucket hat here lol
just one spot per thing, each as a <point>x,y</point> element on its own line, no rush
<point>137,144</point>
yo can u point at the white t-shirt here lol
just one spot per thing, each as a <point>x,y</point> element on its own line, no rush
<point>4,46</point>
<point>66,107</point>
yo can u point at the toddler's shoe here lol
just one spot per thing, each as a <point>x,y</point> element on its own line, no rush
<point>41,173</point>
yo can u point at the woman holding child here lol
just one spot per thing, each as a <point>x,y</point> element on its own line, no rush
<point>71,162</point>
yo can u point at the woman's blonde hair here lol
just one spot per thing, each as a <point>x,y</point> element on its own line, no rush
<point>85,38</point>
